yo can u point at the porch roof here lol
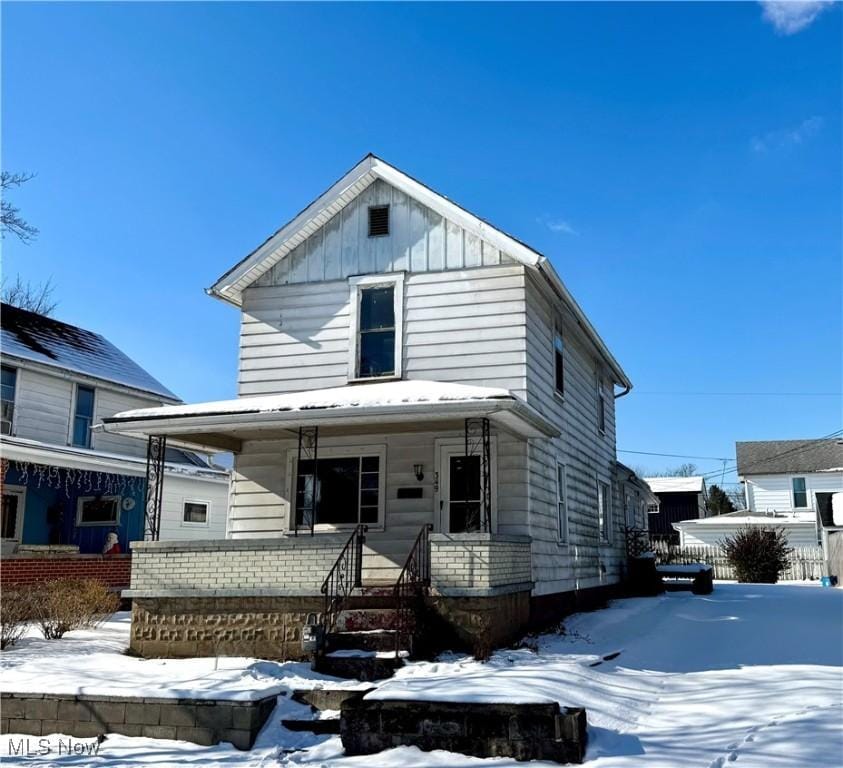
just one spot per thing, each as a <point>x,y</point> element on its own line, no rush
<point>224,424</point>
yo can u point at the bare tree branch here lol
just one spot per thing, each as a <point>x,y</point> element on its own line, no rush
<point>10,218</point>
<point>35,298</point>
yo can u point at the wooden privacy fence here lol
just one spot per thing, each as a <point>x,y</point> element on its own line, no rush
<point>803,562</point>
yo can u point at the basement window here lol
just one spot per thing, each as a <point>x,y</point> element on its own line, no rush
<point>378,220</point>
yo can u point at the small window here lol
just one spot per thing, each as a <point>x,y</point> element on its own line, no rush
<point>653,509</point>
<point>347,488</point>
<point>604,522</point>
<point>601,406</point>
<point>561,502</point>
<point>377,332</point>
<point>800,493</point>
<point>7,391</point>
<point>378,220</point>
<point>83,416</point>
<point>195,512</point>
<point>559,360</point>
<point>98,510</point>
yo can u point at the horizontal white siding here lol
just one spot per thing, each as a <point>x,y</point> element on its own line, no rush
<point>178,490</point>
<point>588,455</point>
<point>804,535</point>
<point>107,402</point>
<point>466,326</point>
<point>774,493</point>
<point>42,407</point>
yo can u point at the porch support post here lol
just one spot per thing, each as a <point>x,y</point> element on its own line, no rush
<point>308,451</point>
<point>156,449</point>
<point>478,443</point>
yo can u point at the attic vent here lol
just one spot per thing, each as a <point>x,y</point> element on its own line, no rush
<point>378,220</point>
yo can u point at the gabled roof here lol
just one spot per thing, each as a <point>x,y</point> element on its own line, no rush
<point>763,457</point>
<point>230,286</point>
<point>676,484</point>
<point>39,339</point>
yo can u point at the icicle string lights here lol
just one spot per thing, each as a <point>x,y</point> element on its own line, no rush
<point>75,480</point>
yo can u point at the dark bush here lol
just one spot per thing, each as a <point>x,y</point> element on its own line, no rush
<point>757,554</point>
<point>66,604</point>
<point>16,611</point>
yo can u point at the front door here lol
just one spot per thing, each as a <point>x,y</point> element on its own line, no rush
<point>461,491</point>
<point>11,513</point>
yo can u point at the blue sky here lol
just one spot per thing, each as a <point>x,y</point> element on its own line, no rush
<point>679,163</point>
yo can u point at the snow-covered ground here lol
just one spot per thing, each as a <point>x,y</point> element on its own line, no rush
<point>750,676</point>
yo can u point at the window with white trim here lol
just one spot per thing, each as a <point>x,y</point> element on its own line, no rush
<point>83,417</point>
<point>348,488</point>
<point>800,493</point>
<point>558,359</point>
<point>195,512</point>
<point>604,511</point>
<point>377,311</point>
<point>8,391</point>
<point>601,406</point>
<point>653,509</point>
<point>98,510</point>
<point>562,502</point>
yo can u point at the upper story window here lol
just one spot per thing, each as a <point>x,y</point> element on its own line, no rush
<point>378,220</point>
<point>377,305</point>
<point>800,493</point>
<point>562,502</point>
<point>7,390</point>
<point>83,416</point>
<point>601,406</point>
<point>604,511</point>
<point>559,360</point>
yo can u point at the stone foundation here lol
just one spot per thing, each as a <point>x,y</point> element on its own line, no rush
<point>264,627</point>
<point>201,721</point>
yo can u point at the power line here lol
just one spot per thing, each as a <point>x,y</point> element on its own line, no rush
<point>675,455</point>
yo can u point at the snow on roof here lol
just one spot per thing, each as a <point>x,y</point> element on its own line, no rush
<point>350,396</point>
<point>732,520</point>
<point>676,484</point>
<point>40,339</point>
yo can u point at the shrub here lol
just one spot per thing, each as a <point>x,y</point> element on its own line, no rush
<point>15,613</point>
<point>67,604</point>
<point>758,555</point>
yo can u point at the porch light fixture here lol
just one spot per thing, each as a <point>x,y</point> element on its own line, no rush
<point>419,470</point>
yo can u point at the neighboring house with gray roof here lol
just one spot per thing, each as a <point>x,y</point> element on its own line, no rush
<point>64,482</point>
<point>788,484</point>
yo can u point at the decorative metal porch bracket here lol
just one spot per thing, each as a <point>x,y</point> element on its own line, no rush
<point>156,450</point>
<point>478,443</point>
<point>308,451</point>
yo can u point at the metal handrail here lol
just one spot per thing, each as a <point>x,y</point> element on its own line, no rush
<point>412,582</point>
<point>345,576</point>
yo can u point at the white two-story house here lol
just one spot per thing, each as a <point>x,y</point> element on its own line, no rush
<point>65,484</point>
<point>404,366</point>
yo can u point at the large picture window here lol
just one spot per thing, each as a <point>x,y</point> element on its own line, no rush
<point>348,490</point>
<point>376,326</point>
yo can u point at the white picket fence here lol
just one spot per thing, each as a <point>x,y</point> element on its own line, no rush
<point>804,562</point>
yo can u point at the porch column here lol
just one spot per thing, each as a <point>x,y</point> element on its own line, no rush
<point>307,483</point>
<point>156,449</point>
<point>477,443</point>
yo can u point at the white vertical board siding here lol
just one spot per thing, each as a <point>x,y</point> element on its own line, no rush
<point>42,406</point>
<point>177,490</point>
<point>774,493</point>
<point>419,240</point>
<point>260,504</point>
<point>466,326</point>
<point>588,455</point>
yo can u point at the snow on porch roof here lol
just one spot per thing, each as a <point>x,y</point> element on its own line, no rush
<point>694,484</point>
<point>382,400</point>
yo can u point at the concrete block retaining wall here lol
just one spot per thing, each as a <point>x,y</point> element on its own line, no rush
<point>201,721</point>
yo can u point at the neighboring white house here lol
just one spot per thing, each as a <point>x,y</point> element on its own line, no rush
<point>454,382</point>
<point>64,482</point>
<point>788,484</point>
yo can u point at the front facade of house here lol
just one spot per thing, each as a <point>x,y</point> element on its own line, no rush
<point>405,365</point>
<point>66,485</point>
<point>789,484</point>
